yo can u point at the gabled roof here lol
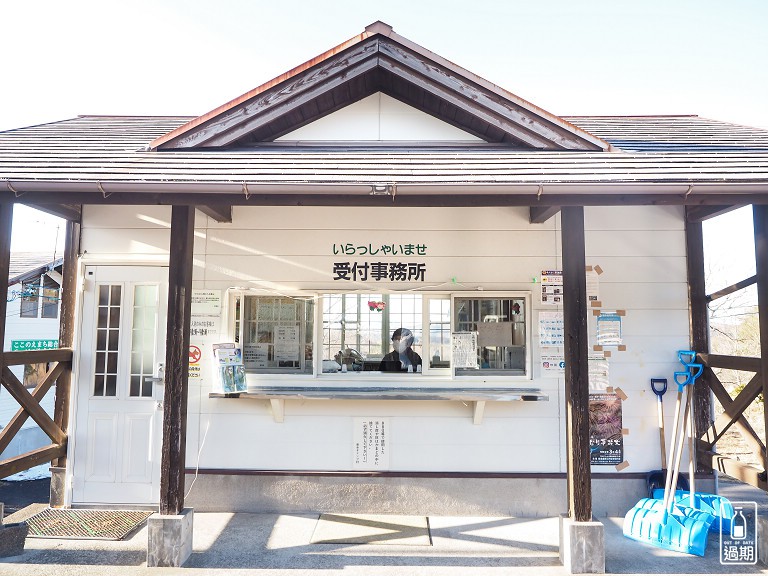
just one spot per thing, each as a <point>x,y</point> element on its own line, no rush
<point>27,265</point>
<point>379,60</point>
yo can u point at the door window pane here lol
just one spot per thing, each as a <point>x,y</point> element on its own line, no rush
<point>143,339</point>
<point>107,330</point>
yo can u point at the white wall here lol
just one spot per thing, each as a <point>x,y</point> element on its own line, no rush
<point>290,249</point>
<point>379,118</point>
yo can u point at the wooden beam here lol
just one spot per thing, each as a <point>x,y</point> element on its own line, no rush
<point>760,220</point>
<point>734,469</point>
<point>699,315</point>
<point>67,328</point>
<point>219,212</point>
<point>6,224</point>
<point>28,460</point>
<point>732,288</point>
<point>180,266</point>
<point>422,72</point>
<point>540,214</point>
<point>576,364</point>
<point>28,403</point>
<point>745,363</point>
<point>741,424</point>
<point>14,424</point>
<point>701,213</point>
<point>236,123</point>
<point>69,212</point>
<point>38,356</point>
<point>233,195</point>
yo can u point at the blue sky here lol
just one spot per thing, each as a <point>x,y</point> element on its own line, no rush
<point>60,59</point>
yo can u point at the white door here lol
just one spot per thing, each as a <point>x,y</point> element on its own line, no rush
<point>118,415</point>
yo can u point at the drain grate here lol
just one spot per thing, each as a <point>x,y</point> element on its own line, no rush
<point>82,524</point>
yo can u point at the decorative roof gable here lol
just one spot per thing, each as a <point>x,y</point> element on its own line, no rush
<point>378,60</point>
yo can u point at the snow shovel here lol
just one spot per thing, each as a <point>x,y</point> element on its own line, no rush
<point>655,478</point>
<point>718,506</point>
<point>660,522</point>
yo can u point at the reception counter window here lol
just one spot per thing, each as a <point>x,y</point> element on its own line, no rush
<point>371,332</point>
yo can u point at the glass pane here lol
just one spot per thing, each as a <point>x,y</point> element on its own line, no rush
<point>146,388</point>
<point>114,317</point>
<point>102,319</point>
<point>135,385</point>
<point>111,389</point>
<point>98,385</point>
<point>114,339</point>
<point>277,334</point>
<point>101,339</point>
<point>101,362</point>
<point>116,293</point>
<point>112,363</point>
<point>500,327</point>
<point>103,295</point>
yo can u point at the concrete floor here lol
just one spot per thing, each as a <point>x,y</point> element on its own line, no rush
<point>272,544</point>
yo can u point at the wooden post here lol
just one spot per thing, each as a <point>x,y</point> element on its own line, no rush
<point>68,296</point>
<point>6,223</point>
<point>699,328</point>
<point>177,360</point>
<point>760,218</point>
<point>576,366</point>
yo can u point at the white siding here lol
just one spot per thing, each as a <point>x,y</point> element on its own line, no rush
<point>379,118</point>
<point>290,249</point>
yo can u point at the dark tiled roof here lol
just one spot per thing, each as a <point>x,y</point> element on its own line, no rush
<point>653,149</point>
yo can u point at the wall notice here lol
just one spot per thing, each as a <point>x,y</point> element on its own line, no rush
<point>609,328</point>
<point>464,350</point>
<point>606,442</point>
<point>551,287</point>
<point>551,329</point>
<point>370,444</point>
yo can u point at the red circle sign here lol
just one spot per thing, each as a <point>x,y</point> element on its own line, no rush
<point>194,354</point>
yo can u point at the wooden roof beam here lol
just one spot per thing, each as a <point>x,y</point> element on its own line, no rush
<point>701,213</point>
<point>540,214</point>
<point>237,122</point>
<point>69,212</point>
<point>221,213</point>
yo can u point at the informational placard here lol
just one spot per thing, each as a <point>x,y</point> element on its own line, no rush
<point>598,372</point>
<point>495,334</point>
<point>287,343</point>
<point>608,328</point>
<point>552,361</point>
<point>593,284</point>
<point>206,303</point>
<point>551,329</point>
<point>606,442</point>
<point>551,287</point>
<point>464,350</point>
<point>256,355</point>
<point>370,443</point>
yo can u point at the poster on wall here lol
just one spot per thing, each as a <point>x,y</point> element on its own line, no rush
<point>593,284</point>
<point>609,328</point>
<point>606,442</point>
<point>598,371</point>
<point>464,350</point>
<point>551,287</point>
<point>204,326</point>
<point>551,329</point>
<point>370,444</point>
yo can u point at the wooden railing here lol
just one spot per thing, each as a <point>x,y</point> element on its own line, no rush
<point>59,363</point>
<point>733,417</point>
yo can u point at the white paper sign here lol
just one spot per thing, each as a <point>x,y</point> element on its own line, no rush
<point>551,329</point>
<point>608,329</point>
<point>206,303</point>
<point>370,444</point>
<point>256,355</point>
<point>464,350</point>
<point>286,343</point>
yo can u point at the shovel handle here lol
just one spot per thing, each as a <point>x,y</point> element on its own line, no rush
<point>662,386</point>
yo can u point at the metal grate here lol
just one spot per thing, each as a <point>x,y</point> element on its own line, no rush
<point>84,524</point>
